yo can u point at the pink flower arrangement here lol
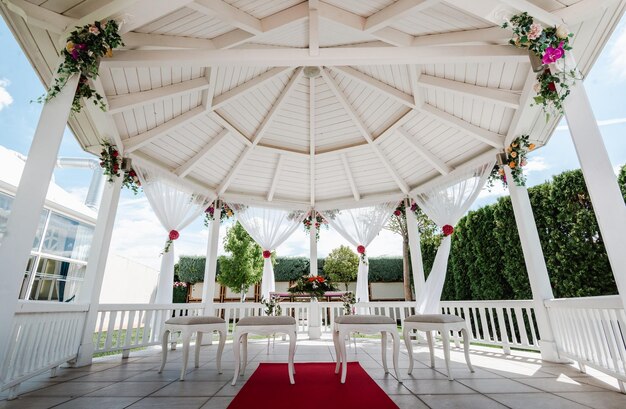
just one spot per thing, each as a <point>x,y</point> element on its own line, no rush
<point>173,235</point>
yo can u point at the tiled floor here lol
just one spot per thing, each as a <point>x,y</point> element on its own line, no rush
<point>500,381</point>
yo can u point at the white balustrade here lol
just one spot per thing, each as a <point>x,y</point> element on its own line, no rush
<point>234,311</point>
<point>591,331</point>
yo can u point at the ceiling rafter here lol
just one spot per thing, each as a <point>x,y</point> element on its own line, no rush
<point>233,129</point>
<point>135,40</point>
<point>119,103</point>
<point>397,10</point>
<point>346,168</point>
<point>364,131</point>
<point>39,16</point>
<point>414,75</point>
<point>142,12</point>
<point>425,153</point>
<point>276,178</point>
<point>112,8</point>
<point>496,11</point>
<point>136,142</point>
<point>103,122</point>
<point>209,94</point>
<point>184,169</point>
<point>228,96</point>
<point>490,35</point>
<point>312,131</point>
<point>228,14</point>
<point>314,28</point>
<point>261,131</point>
<point>509,99</point>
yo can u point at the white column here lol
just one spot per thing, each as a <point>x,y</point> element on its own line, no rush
<point>608,202</point>
<point>417,265</point>
<point>535,265</point>
<point>210,266</point>
<point>28,204</point>
<point>313,246</point>
<point>96,264</point>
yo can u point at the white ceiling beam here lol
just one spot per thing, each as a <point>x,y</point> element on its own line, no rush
<point>102,122</point>
<point>39,16</point>
<point>261,130</point>
<point>138,40</point>
<point>294,57</point>
<point>143,12</point>
<point>104,12</point>
<point>497,11</point>
<point>136,142</point>
<point>476,132</point>
<point>208,96</point>
<point>275,179</point>
<point>364,131</point>
<point>414,74</point>
<point>583,10</point>
<point>395,11</point>
<point>346,168</point>
<point>537,12</point>
<point>425,153</point>
<point>184,169</point>
<point>388,90</point>
<point>497,96</point>
<point>312,140</point>
<point>490,35</point>
<point>232,39</point>
<point>228,14</point>
<point>247,86</point>
<point>394,37</point>
<point>285,17</point>
<point>233,130</point>
<point>119,103</point>
<point>314,31</point>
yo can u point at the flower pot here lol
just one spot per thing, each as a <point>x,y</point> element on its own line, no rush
<point>535,62</point>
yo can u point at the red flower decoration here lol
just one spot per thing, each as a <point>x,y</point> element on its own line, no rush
<point>360,249</point>
<point>267,254</point>
<point>397,212</point>
<point>447,230</point>
<point>174,235</point>
<point>552,86</point>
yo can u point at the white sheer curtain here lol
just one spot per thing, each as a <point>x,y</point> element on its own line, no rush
<point>269,227</point>
<point>445,203</point>
<point>175,206</point>
<point>360,226</point>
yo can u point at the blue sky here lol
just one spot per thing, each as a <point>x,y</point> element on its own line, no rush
<point>137,232</point>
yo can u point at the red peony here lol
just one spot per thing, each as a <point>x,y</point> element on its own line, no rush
<point>552,87</point>
<point>267,254</point>
<point>116,154</point>
<point>447,230</point>
<point>397,212</point>
<point>360,249</point>
<point>174,235</point>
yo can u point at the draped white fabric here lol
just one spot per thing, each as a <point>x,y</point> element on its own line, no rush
<point>176,207</point>
<point>269,227</point>
<point>359,227</point>
<point>445,203</point>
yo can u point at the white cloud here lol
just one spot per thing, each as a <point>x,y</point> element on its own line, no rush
<point>617,55</point>
<point>536,164</point>
<point>605,122</point>
<point>5,98</point>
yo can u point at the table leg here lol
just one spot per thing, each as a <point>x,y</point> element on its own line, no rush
<point>383,343</point>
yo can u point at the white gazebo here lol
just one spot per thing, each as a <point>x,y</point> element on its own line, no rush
<point>301,105</point>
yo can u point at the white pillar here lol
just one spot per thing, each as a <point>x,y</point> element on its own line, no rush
<point>313,245</point>
<point>29,200</point>
<point>608,202</point>
<point>210,266</point>
<point>417,265</point>
<point>535,265</point>
<point>96,264</point>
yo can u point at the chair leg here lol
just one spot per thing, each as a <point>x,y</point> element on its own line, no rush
<point>344,363</point>
<point>244,358</point>
<point>197,349</point>
<point>220,349</point>
<point>337,350</point>
<point>431,348</point>
<point>396,352</point>
<point>445,336</point>
<point>166,335</point>
<point>383,343</point>
<point>236,351</point>
<point>186,335</point>
<point>466,349</point>
<point>406,334</point>
<point>292,351</point>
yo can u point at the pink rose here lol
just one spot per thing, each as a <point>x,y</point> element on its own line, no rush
<point>535,31</point>
<point>94,30</point>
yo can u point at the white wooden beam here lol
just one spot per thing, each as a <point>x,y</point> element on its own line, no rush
<point>346,168</point>
<point>290,57</point>
<point>490,35</point>
<point>184,169</point>
<point>135,142</point>
<point>275,179</point>
<point>233,130</point>
<point>394,37</point>
<point>143,12</point>
<point>414,74</point>
<point>497,96</point>
<point>397,10</point>
<point>497,11</point>
<point>232,39</point>
<point>261,131</point>
<point>476,132</point>
<point>388,90</point>
<point>312,131</point>
<point>254,83</point>
<point>425,153</point>
<point>104,12</point>
<point>583,10</point>
<point>209,95</point>
<point>119,103</point>
<point>104,123</point>
<point>314,34</point>
<point>138,40</point>
<point>39,16</point>
<point>285,17</point>
<point>364,131</point>
<point>537,12</point>
<point>229,14</point>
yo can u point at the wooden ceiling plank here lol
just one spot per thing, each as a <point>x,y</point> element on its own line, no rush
<point>421,150</point>
<point>228,14</point>
<point>497,96</point>
<point>230,95</point>
<point>388,90</point>
<point>184,169</point>
<point>395,11</point>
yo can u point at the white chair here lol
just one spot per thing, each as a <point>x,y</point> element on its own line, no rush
<point>263,325</point>
<point>366,324</point>
<point>187,326</point>
<point>444,323</point>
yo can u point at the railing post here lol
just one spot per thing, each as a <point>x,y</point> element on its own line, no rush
<point>94,275</point>
<point>29,201</point>
<point>535,266</point>
<point>315,328</point>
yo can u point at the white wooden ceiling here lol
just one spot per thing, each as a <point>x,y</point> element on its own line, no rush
<point>215,92</point>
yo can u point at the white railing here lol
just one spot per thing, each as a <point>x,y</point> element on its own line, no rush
<point>503,323</point>
<point>44,336</point>
<point>233,312</point>
<point>591,331</point>
<point>398,310</point>
<point>122,327</point>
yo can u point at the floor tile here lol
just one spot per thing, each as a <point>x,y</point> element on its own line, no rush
<point>604,400</point>
<point>190,388</point>
<point>408,402</point>
<point>460,401</point>
<point>169,403</point>
<point>70,389</point>
<point>218,402</point>
<point>98,402</point>
<point>535,401</point>
<point>497,386</point>
<point>436,386</point>
<point>126,388</point>
<point>32,402</point>
<point>561,384</point>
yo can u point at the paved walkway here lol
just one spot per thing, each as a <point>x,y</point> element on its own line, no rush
<point>500,381</point>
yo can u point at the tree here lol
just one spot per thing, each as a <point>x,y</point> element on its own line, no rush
<point>342,265</point>
<point>244,266</point>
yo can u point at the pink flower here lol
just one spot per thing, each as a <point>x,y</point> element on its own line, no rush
<point>94,30</point>
<point>535,31</point>
<point>552,54</point>
<point>74,54</point>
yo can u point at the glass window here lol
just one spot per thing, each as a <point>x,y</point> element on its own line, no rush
<point>67,238</point>
<point>57,280</point>
<point>5,210</point>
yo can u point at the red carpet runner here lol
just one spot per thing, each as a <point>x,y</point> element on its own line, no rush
<point>317,387</point>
